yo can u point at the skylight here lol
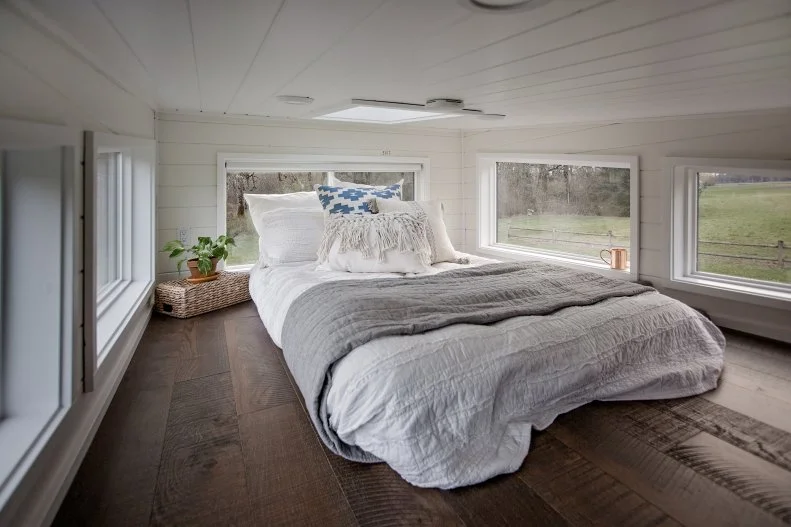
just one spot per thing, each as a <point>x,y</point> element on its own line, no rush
<point>393,113</point>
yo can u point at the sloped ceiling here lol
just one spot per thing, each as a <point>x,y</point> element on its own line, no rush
<point>567,61</point>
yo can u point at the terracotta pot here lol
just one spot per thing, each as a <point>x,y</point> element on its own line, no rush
<point>196,274</point>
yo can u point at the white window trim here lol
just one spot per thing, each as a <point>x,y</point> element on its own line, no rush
<point>682,235</point>
<point>23,436</point>
<point>112,291</point>
<point>284,162</point>
<point>487,210</point>
<point>118,300</point>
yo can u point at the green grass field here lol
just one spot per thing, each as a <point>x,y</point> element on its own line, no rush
<point>747,213</point>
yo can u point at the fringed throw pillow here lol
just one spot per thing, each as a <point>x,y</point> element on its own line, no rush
<point>381,243</point>
<point>431,211</point>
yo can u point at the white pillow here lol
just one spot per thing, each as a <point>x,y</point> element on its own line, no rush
<point>332,181</point>
<point>288,235</point>
<point>260,203</point>
<point>381,243</point>
<point>355,262</point>
<point>441,247</point>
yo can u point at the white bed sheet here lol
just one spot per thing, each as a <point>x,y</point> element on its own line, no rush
<point>273,289</point>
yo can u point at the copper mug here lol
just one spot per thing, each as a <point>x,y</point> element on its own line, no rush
<point>617,257</point>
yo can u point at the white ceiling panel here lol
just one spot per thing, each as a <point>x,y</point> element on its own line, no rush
<point>226,43</point>
<point>566,61</point>
<point>87,25</point>
<point>726,41</point>
<point>727,75</point>
<point>304,31</point>
<point>642,39</point>
<point>737,60</point>
<point>743,96</point>
<point>88,92</point>
<point>476,32</point>
<point>380,55</point>
<point>747,97</point>
<point>579,30</point>
<point>24,96</point>
<point>660,99</point>
<point>159,33</point>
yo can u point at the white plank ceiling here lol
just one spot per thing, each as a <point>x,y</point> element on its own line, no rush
<point>567,61</point>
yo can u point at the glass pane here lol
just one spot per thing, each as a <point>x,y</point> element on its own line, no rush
<point>107,221</point>
<point>578,210</point>
<point>744,223</point>
<point>237,217</point>
<point>383,179</point>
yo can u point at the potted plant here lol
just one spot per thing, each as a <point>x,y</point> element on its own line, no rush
<point>206,253</point>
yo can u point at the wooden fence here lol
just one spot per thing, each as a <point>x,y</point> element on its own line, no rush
<point>780,246</point>
<point>523,233</point>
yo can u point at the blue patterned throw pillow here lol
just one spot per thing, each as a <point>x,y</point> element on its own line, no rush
<point>339,200</point>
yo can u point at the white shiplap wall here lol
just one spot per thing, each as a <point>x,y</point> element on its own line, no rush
<point>188,147</point>
<point>764,136</point>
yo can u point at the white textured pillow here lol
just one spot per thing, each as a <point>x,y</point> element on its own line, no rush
<point>260,203</point>
<point>381,243</point>
<point>332,181</point>
<point>288,235</point>
<point>441,247</point>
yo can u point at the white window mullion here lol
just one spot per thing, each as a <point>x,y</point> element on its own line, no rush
<point>126,218</point>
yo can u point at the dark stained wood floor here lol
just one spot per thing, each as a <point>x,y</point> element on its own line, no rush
<point>207,429</point>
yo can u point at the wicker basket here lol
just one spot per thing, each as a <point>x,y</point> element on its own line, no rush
<point>182,299</point>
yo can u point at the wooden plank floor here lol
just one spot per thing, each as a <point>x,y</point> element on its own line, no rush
<point>207,429</point>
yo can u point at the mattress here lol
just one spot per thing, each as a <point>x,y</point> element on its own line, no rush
<point>457,405</point>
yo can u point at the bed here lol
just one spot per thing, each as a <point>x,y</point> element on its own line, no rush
<point>456,405</point>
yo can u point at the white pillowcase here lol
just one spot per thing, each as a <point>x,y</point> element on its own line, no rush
<point>260,203</point>
<point>355,262</point>
<point>289,226</point>
<point>288,235</point>
<point>382,243</point>
<point>441,247</point>
<point>332,181</point>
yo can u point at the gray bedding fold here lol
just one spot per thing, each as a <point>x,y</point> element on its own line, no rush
<point>330,320</point>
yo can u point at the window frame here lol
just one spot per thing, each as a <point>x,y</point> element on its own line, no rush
<point>24,433</point>
<point>108,293</point>
<point>316,163</point>
<point>486,166</point>
<point>116,303</point>
<point>682,233</point>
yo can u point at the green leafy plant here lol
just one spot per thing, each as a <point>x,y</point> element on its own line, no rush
<point>203,251</point>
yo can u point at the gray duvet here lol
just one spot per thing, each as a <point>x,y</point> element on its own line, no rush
<point>453,371</point>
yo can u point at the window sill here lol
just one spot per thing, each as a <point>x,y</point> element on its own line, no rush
<point>732,291</point>
<point>22,438</point>
<point>242,268</point>
<point>108,295</point>
<point>583,265</point>
<point>115,317</point>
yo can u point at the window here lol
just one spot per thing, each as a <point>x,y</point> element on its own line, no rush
<point>564,208</point>
<point>731,223</point>
<point>246,174</point>
<point>39,329</point>
<point>118,237</point>
<point>109,171</point>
